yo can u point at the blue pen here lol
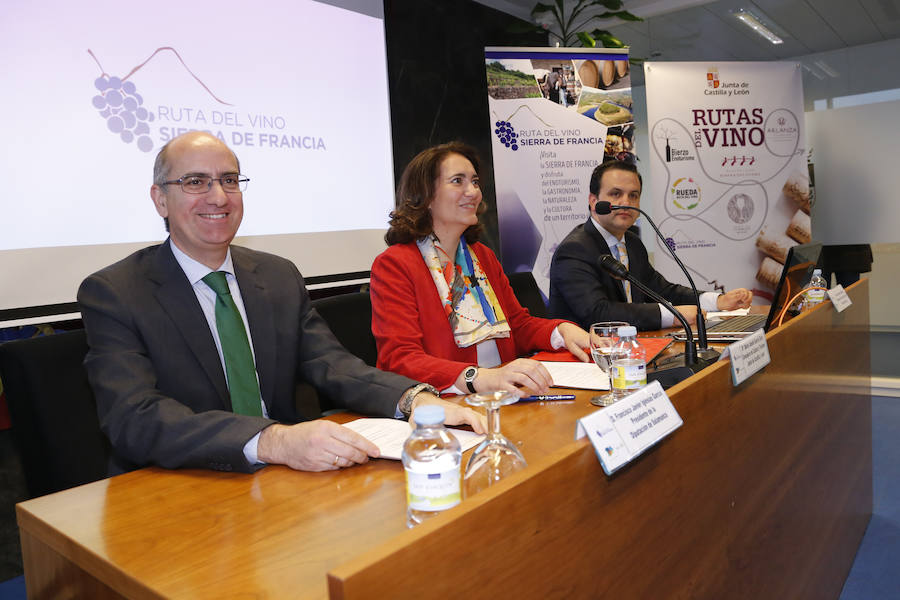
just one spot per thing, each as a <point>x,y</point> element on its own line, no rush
<point>547,398</point>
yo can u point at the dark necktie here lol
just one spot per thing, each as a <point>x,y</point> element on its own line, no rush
<point>239,368</point>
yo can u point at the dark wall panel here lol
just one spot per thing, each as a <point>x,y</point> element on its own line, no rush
<point>435,51</point>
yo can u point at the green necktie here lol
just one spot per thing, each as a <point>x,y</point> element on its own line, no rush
<point>239,368</point>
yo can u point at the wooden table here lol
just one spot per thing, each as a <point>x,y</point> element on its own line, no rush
<point>765,492</point>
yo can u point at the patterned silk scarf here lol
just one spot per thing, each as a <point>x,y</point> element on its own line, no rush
<point>469,301</point>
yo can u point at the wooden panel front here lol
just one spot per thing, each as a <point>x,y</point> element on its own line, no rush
<point>764,492</point>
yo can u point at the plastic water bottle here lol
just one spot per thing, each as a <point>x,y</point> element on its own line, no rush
<point>629,364</point>
<point>813,297</point>
<point>431,457</point>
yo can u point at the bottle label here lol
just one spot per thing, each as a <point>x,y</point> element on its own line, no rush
<point>432,491</point>
<point>815,296</point>
<point>629,377</point>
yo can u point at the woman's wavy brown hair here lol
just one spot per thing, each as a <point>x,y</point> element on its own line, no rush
<point>411,220</point>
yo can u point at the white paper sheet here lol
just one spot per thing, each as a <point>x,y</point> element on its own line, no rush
<point>389,435</point>
<point>722,314</point>
<point>584,376</point>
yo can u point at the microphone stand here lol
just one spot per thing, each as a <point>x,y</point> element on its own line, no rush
<point>689,356</point>
<point>705,352</point>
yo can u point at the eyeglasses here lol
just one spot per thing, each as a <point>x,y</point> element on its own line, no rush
<point>200,184</point>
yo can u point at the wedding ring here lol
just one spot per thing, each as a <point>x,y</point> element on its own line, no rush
<point>336,459</point>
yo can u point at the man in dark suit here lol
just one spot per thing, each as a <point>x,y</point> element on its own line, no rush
<point>156,360</point>
<point>584,293</point>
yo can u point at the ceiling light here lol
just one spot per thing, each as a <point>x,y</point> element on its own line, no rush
<point>814,72</point>
<point>827,68</point>
<point>754,23</point>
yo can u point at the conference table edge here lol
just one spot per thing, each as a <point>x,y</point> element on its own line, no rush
<point>55,562</point>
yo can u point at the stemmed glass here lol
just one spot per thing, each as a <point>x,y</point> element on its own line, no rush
<point>495,457</point>
<point>604,336</point>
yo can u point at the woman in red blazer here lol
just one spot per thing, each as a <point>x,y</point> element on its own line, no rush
<point>443,311</point>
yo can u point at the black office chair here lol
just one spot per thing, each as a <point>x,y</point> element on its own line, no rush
<point>350,318</point>
<point>528,293</point>
<point>53,412</point>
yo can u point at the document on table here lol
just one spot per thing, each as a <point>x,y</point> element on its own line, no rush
<point>389,435</point>
<point>723,314</point>
<point>584,376</point>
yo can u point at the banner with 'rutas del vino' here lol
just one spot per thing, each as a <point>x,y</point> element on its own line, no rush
<point>729,182</point>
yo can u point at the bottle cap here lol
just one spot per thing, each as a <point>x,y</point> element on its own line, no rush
<point>817,272</point>
<point>627,331</point>
<point>430,414</point>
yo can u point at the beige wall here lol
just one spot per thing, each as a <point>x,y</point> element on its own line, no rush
<point>884,288</point>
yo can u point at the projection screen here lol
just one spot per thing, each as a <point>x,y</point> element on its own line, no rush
<point>297,88</point>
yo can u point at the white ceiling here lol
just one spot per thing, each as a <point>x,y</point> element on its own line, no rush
<point>699,30</point>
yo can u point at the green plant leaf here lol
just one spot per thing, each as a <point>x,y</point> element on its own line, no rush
<point>609,4</point>
<point>565,21</point>
<point>627,16</point>
<point>607,39</point>
<point>586,40</point>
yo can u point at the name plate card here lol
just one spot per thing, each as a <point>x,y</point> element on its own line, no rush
<point>748,356</point>
<point>839,298</point>
<point>624,430</point>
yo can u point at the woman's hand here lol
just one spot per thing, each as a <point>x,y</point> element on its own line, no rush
<point>576,339</point>
<point>520,373</point>
<point>455,413</point>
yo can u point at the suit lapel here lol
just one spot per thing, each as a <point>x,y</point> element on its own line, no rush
<point>591,228</point>
<point>178,300</point>
<point>260,316</point>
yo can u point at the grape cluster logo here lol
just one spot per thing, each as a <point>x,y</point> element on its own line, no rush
<point>121,106</point>
<point>507,135</point>
<point>670,242</point>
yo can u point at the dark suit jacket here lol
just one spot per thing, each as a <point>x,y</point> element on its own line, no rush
<point>161,391</point>
<point>582,292</point>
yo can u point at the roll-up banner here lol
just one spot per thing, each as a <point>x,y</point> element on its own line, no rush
<point>555,113</point>
<point>728,177</point>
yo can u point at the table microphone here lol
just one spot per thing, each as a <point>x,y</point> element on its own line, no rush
<point>619,271</point>
<point>602,207</point>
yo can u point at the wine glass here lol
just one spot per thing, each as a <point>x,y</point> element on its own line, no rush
<point>495,457</point>
<point>604,336</point>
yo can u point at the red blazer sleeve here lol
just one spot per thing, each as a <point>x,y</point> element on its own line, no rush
<point>412,332</point>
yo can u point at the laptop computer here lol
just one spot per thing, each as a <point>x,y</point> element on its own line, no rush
<point>798,267</point>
